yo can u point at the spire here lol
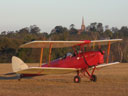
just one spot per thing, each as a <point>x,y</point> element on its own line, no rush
<point>82,26</point>
<point>83,20</point>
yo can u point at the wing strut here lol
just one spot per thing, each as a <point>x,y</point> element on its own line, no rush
<point>108,51</point>
<point>88,46</point>
<point>50,51</point>
<point>41,57</point>
<point>99,45</point>
<point>93,45</point>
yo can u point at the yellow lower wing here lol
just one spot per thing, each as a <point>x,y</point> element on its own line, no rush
<point>46,70</point>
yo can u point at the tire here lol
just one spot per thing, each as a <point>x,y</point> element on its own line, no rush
<point>20,76</point>
<point>77,79</point>
<point>93,78</point>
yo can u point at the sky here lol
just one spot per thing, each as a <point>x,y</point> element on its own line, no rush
<point>46,14</point>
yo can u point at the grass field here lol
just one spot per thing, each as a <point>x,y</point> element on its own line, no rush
<point>112,81</point>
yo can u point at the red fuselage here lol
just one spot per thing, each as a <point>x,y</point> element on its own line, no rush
<point>81,60</point>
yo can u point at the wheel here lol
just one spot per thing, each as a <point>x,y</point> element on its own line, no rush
<point>93,78</point>
<point>77,79</point>
<point>20,76</point>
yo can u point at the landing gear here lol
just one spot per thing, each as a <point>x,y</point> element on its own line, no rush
<point>93,78</point>
<point>20,76</point>
<point>77,79</point>
<point>88,75</point>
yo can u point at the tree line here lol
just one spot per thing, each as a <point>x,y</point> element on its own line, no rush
<point>11,40</point>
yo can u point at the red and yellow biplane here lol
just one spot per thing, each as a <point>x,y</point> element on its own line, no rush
<point>80,62</point>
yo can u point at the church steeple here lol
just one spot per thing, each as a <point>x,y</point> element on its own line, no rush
<point>82,20</point>
<point>82,26</point>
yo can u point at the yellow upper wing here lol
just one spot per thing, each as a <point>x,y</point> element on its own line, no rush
<point>61,44</point>
<point>55,44</point>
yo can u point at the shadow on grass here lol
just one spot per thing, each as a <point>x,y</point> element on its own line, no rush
<point>13,77</point>
<point>8,78</point>
<point>59,80</point>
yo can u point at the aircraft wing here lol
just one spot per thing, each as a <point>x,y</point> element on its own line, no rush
<point>46,70</point>
<point>108,64</point>
<point>55,70</point>
<point>62,44</point>
<point>55,44</point>
<point>104,42</point>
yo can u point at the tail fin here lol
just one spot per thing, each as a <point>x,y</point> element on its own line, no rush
<point>18,64</point>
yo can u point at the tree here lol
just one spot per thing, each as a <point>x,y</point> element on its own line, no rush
<point>114,29</point>
<point>124,31</point>
<point>72,26</point>
<point>108,34</point>
<point>34,29</point>
<point>73,30</point>
<point>93,26</point>
<point>59,29</point>
<point>24,31</point>
<point>99,27</point>
<point>11,40</point>
<point>3,33</point>
<point>106,27</point>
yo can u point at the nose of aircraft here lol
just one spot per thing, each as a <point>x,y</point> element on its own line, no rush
<point>101,57</point>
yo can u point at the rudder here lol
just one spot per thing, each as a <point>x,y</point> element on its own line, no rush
<point>18,64</point>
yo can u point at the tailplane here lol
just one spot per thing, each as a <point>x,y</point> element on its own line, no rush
<point>18,64</point>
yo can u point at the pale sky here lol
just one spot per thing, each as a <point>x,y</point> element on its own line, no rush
<point>17,14</point>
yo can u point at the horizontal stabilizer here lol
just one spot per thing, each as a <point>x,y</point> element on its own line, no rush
<point>12,73</point>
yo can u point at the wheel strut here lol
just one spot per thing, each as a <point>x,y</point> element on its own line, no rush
<point>91,76</point>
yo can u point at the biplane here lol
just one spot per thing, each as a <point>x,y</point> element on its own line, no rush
<point>81,61</point>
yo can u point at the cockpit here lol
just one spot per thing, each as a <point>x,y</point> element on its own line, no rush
<point>69,54</point>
